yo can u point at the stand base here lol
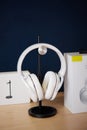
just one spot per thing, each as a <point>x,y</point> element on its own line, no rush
<point>8,97</point>
<point>42,111</point>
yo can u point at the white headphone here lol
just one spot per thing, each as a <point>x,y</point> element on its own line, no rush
<point>52,81</point>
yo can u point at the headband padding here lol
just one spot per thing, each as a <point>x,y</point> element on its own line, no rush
<point>49,84</point>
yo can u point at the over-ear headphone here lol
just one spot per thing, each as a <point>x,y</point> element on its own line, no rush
<point>52,81</point>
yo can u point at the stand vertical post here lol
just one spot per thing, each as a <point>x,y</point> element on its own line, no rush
<point>39,70</point>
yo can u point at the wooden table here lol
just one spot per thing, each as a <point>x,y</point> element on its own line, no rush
<point>15,117</point>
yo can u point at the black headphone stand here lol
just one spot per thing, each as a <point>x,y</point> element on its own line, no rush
<point>41,111</point>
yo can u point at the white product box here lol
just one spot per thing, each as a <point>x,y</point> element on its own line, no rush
<point>12,89</point>
<point>75,83</point>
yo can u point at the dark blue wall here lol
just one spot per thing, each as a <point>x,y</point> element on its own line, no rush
<point>62,24</point>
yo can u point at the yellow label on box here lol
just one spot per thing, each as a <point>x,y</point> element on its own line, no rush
<point>77,58</point>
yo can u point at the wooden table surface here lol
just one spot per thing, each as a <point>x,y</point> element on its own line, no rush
<point>15,117</point>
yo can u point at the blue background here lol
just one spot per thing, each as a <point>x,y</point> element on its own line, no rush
<point>60,23</point>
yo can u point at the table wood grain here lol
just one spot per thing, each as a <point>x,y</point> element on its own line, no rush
<point>15,117</point>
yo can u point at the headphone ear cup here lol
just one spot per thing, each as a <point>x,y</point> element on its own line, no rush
<point>37,86</point>
<point>49,84</point>
<point>36,92</point>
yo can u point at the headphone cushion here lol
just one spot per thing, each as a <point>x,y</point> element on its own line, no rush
<point>49,84</point>
<point>35,88</point>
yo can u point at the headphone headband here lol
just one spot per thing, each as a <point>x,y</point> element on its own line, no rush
<point>35,46</point>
